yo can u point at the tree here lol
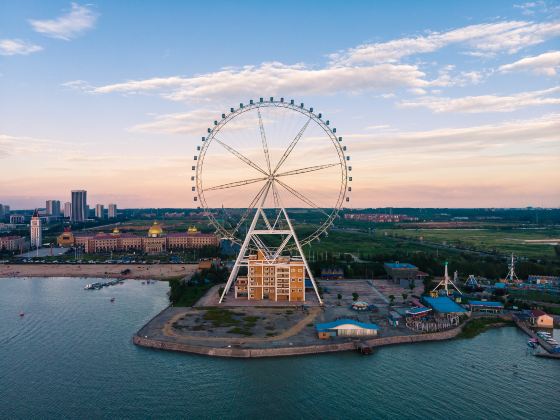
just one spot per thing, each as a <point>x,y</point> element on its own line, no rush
<point>339,296</point>
<point>404,296</point>
<point>411,285</point>
<point>355,296</point>
<point>391,299</point>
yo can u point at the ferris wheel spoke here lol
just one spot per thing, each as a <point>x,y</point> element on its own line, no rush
<point>241,157</point>
<point>263,140</point>
<point>250,208</point>
<point>308,169</point>
<point>291,146</point>
<point>302,197</point>
<point>236,184</point>
<point>276,204</point>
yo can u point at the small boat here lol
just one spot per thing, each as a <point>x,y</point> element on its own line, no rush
<point>21,314</point>
<point>531,344</point>
<point>112,299</point>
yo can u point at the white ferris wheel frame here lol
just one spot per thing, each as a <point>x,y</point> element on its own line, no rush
<point>271,184</point>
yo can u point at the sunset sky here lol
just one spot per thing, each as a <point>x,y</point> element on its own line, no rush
<point>441,104</point>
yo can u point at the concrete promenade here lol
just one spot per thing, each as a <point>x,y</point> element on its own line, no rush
<point>163,344</point>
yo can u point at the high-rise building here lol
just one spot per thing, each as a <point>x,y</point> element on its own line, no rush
<point>68,209</point>
<point>53,207</point>
<point>36,230</point>
<point>112,211</point>
<point>4,210</point>
<point>79,206</point>
<point>99,211</point>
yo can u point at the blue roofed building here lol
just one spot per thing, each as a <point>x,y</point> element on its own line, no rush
<point>486,306</point>
<point>443,305</point>
<point>403,273</point>
<point>346,328</point>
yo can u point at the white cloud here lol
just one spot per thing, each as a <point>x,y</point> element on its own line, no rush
<point>546,63</point>
<point>68,26</point>
<point>532,133</point>
<point>193,122</point>
<point>486,103</point>
<point>17,47</point>
<point>482,39</point>
<point>528,8</point>
<point>273,78</point>
<point>22,145</point>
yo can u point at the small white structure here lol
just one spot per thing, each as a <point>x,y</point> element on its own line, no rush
<point>346,328</point>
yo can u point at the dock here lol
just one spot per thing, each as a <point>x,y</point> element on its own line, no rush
<point>544,345</point>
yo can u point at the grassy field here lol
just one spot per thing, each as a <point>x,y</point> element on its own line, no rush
<point>386,241</point>
<point>503,241</point>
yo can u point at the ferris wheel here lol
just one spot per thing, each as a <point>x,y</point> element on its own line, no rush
<point>271,167</point>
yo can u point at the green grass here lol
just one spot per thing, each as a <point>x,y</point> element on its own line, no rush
<point>500,240</point>
<point>241,331</point>
<point>191,295</point>
<point>221,317</point>
<point>503,240</point>
<point>535,295</point>
<point>251,319</point>
<point>476,326</point>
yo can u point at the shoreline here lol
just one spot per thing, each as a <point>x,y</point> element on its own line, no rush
<point>232,352</point>
<point>136,271</point>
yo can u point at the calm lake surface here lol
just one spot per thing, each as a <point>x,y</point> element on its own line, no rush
<point>71,356</point>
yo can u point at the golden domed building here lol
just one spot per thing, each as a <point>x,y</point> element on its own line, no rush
<point>66,239</point>
<point>156,242</point>
<point>155,230</point>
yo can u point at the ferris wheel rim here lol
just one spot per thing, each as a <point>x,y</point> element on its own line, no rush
<point>236,112</point>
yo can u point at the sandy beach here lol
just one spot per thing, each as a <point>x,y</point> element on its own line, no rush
<point>152,271</point>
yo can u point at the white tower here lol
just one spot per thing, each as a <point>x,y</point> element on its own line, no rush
<point>446,282</point>
<point>36,231</point>
<point>511,277</point>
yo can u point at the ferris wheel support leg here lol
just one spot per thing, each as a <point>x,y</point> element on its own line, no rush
<point>303,258</point>
<point>235,269</point>
<point>243,250</point>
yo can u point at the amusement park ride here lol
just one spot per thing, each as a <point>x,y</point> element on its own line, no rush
<point>445,283</point>
<point>297,162</point>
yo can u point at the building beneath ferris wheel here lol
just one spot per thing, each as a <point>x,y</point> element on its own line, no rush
<point>280,279</point>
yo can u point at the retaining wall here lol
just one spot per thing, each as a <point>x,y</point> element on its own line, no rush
<point>290,351</point>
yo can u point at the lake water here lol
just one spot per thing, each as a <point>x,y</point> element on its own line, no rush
<point>71,356</point>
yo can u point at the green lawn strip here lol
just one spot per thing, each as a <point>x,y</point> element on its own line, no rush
<point>478,325</point>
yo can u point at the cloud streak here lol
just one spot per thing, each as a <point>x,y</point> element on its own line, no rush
<point>486,103</point>
<point>275,78</point>
<point>17,47</point>
<point>482,39</point>
<point>531,133</point>
<point>546,63</point>
<point>68,26</point>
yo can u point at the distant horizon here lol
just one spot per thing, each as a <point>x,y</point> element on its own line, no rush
<point>342,209</point>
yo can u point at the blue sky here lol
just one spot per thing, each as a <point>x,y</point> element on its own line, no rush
<point>440,103</point>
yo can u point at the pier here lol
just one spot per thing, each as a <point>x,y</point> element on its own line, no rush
<point>544,345</point>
